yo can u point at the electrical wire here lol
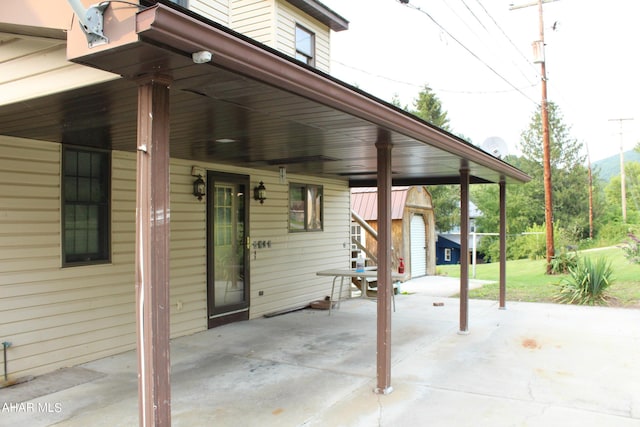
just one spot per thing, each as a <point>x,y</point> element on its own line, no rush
<point>527,60</point>
<point>517,67</point>
<point>493,70</point>
<point>419,86</point>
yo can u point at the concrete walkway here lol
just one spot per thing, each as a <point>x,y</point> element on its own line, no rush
<point>529,365</point>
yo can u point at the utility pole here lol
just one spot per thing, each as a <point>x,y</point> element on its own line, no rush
<point>590,194</point>
<point>546,150</point>
<point>623,185</point>
<point>538,47</point>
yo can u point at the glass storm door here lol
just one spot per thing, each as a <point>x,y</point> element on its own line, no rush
<point>227,278</point>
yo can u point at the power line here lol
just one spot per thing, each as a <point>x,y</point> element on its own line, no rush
<point>406,2</point>
<point>488,32</point>
<point>527,60</point>
<point>403,82</point>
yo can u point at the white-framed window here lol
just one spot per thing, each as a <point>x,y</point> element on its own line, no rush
<point>356,234</point>
<point>305,46</point>
<point>447,254</point>
<point>305,207</point>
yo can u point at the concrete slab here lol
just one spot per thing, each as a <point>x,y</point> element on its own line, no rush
<point>530,365</point>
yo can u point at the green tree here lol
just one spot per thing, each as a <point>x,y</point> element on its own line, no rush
<point>569,175</point>
<point>428,107</point>
<point>395,101</point>
<point>446,198</point>
<point>632,186</point>
<point>525,203</point>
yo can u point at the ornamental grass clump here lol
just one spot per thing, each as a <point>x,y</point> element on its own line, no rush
<point>586,283</point>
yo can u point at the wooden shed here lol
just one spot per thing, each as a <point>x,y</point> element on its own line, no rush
<point>413,226</point>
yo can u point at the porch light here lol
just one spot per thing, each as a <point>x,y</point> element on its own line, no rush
<point>201,57</point>
<point>199,187</point>
<point>260,193</point>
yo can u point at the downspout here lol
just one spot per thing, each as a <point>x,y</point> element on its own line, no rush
<point>5,346</point>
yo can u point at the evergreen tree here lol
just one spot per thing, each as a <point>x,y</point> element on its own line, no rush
<point>445,197</point>
<point>428,107</point>
<point>569,175</point>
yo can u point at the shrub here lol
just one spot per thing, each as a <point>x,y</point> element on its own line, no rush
<point>586,283</point>
<point>631,249</point>
<point>561,264</point>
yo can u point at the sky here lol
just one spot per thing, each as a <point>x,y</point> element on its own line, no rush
<point>477,56</point>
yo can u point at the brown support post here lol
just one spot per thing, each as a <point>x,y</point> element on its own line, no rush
<point>464,251</point>
<point>503,244</point>
<point>385,287</point>
<point>152,252</point>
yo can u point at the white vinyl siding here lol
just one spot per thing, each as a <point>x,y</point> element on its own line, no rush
<point>255,19</point>
<point>215,10</point>
<point>31,67</point>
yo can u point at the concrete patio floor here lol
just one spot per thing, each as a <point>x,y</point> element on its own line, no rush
<point>529,365</point>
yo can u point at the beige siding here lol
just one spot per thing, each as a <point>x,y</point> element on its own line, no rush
<point>287,17</point>
<point>58,317</point>
<point>31,67</point>
<point>285,273</point>
<point>216,10</point>
<point>53,316</point>
<point>255,19</point>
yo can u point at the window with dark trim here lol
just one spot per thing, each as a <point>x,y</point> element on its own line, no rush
<point>305,207</point>
<point>305,46</point>
<point>86,175</point>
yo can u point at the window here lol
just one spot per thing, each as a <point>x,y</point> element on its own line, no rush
<point>447,254</point>
<point>305,46</point>
<point>182,3</point>
<point>305,207</point>
<point>85,206</point>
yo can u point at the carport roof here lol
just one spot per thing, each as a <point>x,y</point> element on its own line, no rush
<point>250,106</point>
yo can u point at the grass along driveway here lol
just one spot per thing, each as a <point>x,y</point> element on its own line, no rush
<point>527,281</point>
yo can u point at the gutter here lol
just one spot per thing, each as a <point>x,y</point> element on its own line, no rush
<point>162,25</point>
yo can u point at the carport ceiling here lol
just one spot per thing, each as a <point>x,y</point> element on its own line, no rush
<point>225,115</point>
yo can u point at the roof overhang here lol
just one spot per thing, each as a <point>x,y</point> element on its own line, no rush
<point>250,106</point>
<point>322,13</point>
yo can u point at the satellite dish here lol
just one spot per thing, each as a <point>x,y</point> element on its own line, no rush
<point>495,146</point>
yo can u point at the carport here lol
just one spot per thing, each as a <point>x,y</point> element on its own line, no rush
<point>279,112</point>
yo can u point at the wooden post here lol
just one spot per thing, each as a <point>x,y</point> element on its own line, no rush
<point>152,252</point>
<point>385,287</point>
<point>464,250</point>
<point>503,244</point>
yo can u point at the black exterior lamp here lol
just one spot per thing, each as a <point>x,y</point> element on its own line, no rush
<point>199,187</point>
<point>260,193</point>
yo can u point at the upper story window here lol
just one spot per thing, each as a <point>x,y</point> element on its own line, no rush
<point>183,3</point>
<point>305,46</point>
<point>86,175</point>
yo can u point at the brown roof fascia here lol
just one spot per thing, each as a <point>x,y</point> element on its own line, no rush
<point>164,25</point>
<point>161,25</point>
<point>322,13</point>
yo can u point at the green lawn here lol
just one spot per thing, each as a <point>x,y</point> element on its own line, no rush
<point>527,281</point>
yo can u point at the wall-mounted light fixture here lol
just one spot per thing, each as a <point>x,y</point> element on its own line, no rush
<point>283,175</point>
<point>199,187</point>
<point>260,193</point>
